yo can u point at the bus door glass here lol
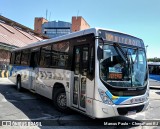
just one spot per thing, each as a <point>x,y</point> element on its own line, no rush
<point>80,73</point>
<point>34,61</point>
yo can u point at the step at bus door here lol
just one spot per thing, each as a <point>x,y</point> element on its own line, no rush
<point>80,73</point>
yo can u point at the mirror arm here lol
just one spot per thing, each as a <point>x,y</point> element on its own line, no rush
<point>101,38</point>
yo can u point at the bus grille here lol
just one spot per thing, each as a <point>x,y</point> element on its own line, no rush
<point>125,110</point>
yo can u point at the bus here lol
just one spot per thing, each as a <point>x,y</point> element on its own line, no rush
<point>154,73</point>
<point>98,72</point>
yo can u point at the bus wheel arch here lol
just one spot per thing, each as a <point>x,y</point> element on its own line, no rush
<point>59,97</point>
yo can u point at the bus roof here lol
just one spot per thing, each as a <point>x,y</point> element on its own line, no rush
<point>71,35</point>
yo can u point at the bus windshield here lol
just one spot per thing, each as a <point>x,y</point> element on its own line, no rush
<point>123,66</point>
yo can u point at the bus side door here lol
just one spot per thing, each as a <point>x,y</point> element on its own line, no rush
<point>80,79</point>
<point>33,70</point>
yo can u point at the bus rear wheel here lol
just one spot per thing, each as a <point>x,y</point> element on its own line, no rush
<point>60,100</point>
<point>18,85</point>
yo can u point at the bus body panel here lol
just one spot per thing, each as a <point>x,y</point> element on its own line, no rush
<point>23,71</point>
<point>46,78</point>
<point>25,78</point>
<point>89,96</point>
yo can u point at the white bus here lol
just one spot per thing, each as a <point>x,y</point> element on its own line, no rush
<point>100,73</point>
<point>154,73</point>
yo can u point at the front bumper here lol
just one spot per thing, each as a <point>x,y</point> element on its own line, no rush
<point>101,110</point>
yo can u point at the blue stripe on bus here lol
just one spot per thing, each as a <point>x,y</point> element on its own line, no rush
<point>154,77</point>
<point>13,68</point>
<point>117,99</point>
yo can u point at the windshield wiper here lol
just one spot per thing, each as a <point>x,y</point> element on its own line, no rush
<point>126,59</point>
<point>122,52</point>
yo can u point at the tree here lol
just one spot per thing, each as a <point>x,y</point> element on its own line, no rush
<point>153,59</point>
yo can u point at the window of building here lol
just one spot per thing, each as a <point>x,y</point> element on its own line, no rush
<point>61,31</point>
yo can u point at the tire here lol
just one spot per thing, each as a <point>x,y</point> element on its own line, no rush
<point>18,85</point>
<point>60,101</point>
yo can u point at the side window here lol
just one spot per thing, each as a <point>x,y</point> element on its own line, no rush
<point>151,69</point>
<point>12,58</point>
<point>25,57</point>
<point>55,57</point>
<point>34,59</point>
<point>63,59</point>
<point>77,61</point>
<point>45,60</point>
<point>17,57</point>
<point>60,54</point>
<point>84,61</point>
<point>154,69</point>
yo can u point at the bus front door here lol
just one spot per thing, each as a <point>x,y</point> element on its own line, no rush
<point>80,73</point>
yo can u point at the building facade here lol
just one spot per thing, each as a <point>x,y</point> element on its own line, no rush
<point>38,22</point>
<point>14,35</point>
<point>54,29</point>
<point>79,23</point>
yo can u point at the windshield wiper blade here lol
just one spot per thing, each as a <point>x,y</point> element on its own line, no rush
<point>123,53</point>
<point>126,59</point>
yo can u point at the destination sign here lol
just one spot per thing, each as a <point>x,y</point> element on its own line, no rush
<point>121,38</point>
<point>115,76</point>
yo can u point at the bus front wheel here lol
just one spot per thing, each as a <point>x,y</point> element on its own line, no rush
<point>60,101</point>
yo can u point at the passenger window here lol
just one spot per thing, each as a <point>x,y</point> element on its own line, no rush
<point>25,57</point>
<point>85,61</point>
<point>55,57</point>
<point>45,56</point>
<point>12,58</point>
<point>60,54</point>
<point>17,58</point>
<point>77,61</point>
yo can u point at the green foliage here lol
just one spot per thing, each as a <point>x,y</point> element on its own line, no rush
<point>153,59</point>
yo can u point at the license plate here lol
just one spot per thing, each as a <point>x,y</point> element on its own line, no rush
<point>131,112</point>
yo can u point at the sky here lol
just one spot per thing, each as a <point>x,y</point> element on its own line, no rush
<point>140,18</point>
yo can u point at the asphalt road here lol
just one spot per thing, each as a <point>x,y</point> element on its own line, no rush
<point>21,106</point>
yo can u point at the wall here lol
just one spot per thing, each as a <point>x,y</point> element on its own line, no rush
<point>38,24</point>
<point>79,23</point>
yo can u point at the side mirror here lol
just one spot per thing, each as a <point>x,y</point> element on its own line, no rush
<point>100,53</point>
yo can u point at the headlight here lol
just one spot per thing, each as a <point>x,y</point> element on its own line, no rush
<point>104,97</point>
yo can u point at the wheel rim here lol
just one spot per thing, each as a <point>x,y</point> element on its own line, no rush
<point>61,100</point>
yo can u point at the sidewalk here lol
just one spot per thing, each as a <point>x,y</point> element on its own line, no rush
<point>154,94</point>
<point>153,84</point>
<point>5,81</point>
